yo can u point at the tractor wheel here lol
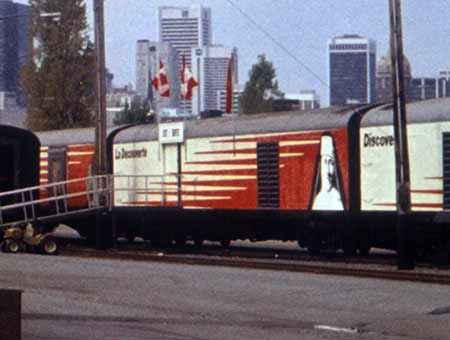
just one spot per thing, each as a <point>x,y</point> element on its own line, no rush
<point>49,246</point>
<point>11,246</point>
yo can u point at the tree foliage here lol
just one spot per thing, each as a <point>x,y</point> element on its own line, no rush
<point>261,81</point>
<point>60,79</point>
<point>137,112</point>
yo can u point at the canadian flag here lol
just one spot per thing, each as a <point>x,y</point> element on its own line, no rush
<point>161,81</point>
<point>187,81</point>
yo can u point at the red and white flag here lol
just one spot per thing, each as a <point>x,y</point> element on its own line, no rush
<point>161,81</point>
<point>188,81</point>
<point>229,92</point>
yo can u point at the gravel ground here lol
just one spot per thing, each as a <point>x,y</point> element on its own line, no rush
<point>73,298</point>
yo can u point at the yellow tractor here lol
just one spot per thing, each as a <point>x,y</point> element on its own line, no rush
<point>28,238</point>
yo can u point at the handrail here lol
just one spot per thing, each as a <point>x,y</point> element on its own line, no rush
<point>24,206</point>
<point>100,193</point>
<point>44,186</point>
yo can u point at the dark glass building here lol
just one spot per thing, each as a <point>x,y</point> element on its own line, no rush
<point>352,69</point>
<point>15,43</point>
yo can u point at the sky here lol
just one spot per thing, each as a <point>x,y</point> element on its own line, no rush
<point>303,27</point>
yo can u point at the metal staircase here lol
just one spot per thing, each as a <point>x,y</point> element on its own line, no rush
<point>51,202</point>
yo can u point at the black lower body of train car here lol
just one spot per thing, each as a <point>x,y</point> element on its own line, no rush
<point>429,232</point>
<point>19,152</point>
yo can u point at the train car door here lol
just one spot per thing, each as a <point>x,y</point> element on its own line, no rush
<point>56,165</point>
<point>57,171</point>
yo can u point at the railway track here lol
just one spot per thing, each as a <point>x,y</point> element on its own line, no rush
<point>376,267</point>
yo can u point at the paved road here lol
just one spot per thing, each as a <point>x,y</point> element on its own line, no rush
<point>69,298</point>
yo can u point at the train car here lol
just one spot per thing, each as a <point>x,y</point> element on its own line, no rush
<point>429,164</point>
<point>267,176</point>
<point>67,155</point>
<point>325,178</point>
<point>19,150</point>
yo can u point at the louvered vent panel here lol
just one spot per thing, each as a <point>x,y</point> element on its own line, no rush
<point>268,175</point>
<point>446,170</point>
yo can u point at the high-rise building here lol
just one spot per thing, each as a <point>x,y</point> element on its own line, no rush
<point>221,99</point>
<point>428,88</point>
<point>14,43</point>
<point>351,65</point>
<point>384,79</point>
<point>416,89</point>
<point>148,57</point>
<point>185,28</point>
<point>210,67</point>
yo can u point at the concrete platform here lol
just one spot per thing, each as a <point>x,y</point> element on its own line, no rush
<point>70,298</point>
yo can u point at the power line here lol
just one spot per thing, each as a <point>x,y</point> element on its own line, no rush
<point>276,42</point>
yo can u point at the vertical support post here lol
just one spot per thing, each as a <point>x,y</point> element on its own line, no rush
<point>100,126</point>
<point>103,225</point>
<point>179,188</point>
<point>405,233</point>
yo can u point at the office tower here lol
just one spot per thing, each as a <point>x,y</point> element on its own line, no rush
<point>210,67</point>
<point>14,43</point>
<point>185,28</point>
<point>384,79</point>
<point>428,88</point>
<point>221,99</point>
<point>148,57</point>
<point>351,65</point>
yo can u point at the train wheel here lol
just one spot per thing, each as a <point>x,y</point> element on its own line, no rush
<point>180,241</point>
<point>198,242</point>
<point>364,249</point>
<point>49,246</point>
<point>349,248</point>
<point>130,236</point>
<point>225,243</point>
<point>11,246</point>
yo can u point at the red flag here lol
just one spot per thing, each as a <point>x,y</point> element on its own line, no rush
<point>229,93</point>
<point>188,81</point>
<point>161,81</point>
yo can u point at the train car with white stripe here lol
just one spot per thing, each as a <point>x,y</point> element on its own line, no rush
<point>325,178</point>
<point>266,176</point>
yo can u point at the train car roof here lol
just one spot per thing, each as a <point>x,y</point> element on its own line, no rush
<point>427,111</point>
<point>322,119</point>
<point>69,136</point>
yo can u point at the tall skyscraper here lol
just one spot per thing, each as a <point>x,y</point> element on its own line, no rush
<point>384,79</point>
<point>352,67</point>
<point>185,28</point>
<point>210,67</point>
<point>221,99</point>
<point>148,57</point>
<point>14,43</point>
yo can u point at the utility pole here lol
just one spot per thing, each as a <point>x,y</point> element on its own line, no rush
<point>105,233</point>
<point>405,233</point>
<point>100,116</point>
